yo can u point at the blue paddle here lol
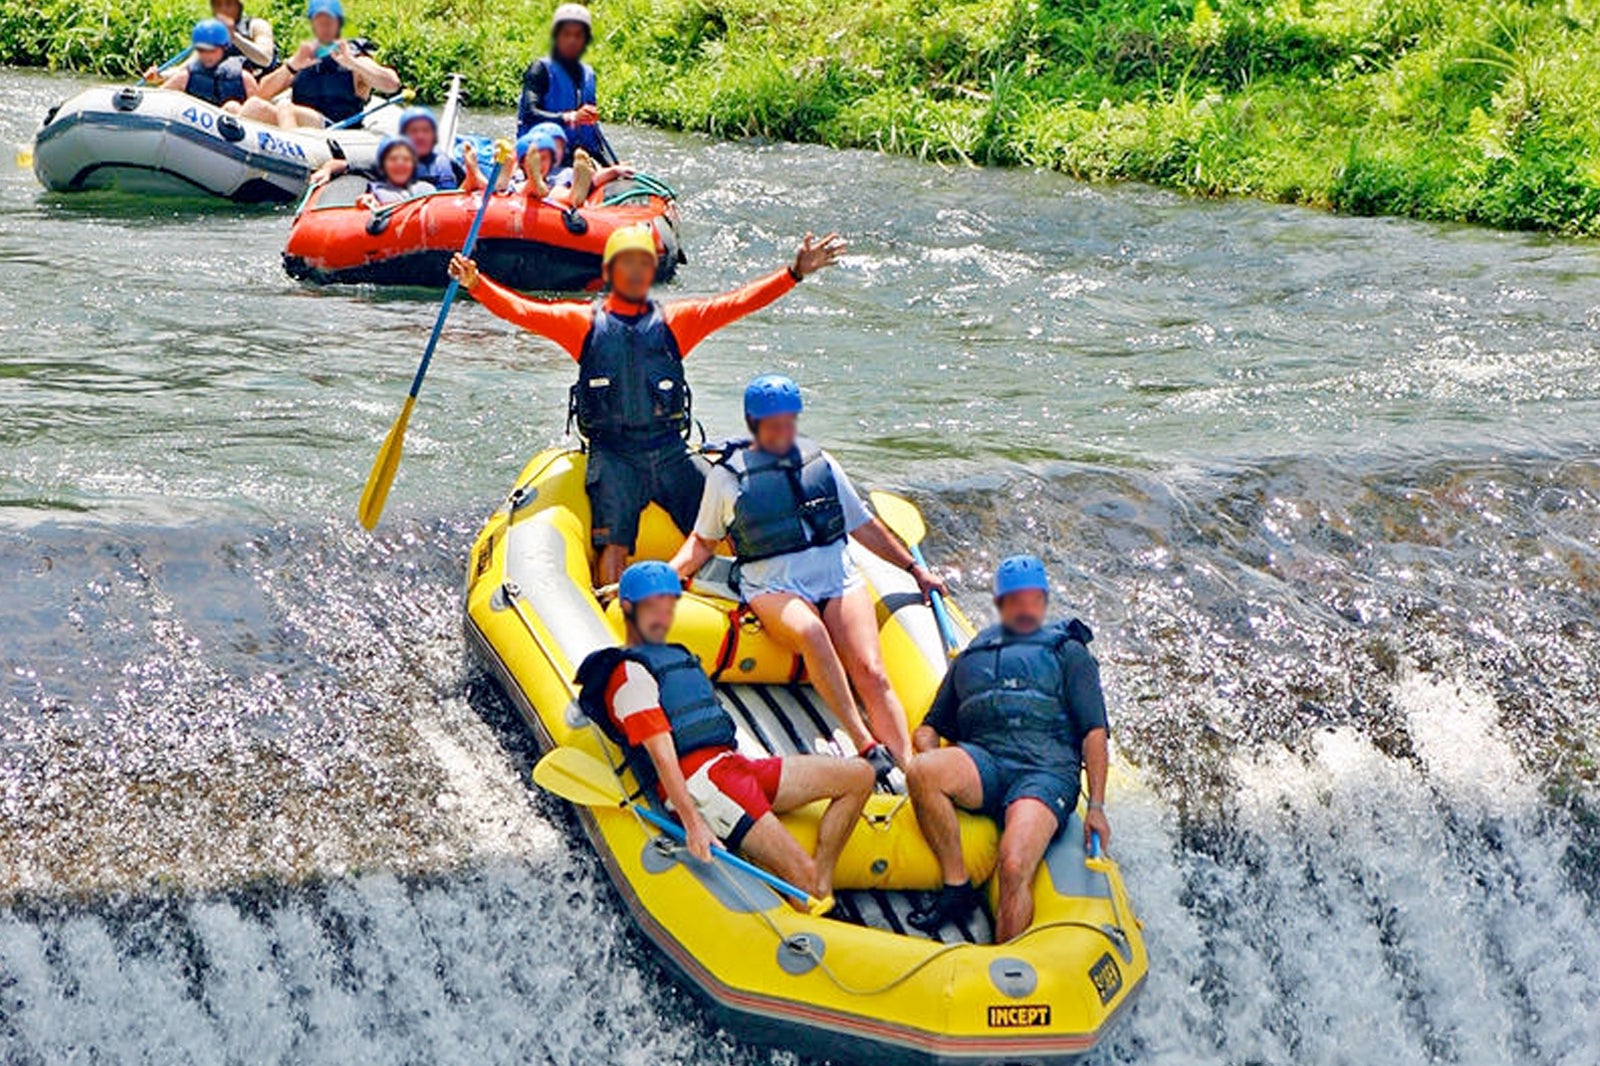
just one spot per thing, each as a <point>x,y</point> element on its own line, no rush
<point>404,96</point>
<point>174,61</point>
<point>578,777</point>
<point>905,521</point>
<point>387,463</point>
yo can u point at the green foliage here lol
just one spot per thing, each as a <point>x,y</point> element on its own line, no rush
<point>1448,109</point>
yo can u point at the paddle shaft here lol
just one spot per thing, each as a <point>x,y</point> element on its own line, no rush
<point>175,60</point>
<point>675,831</point>
<point>455,286</point>
<point>936,598</point>
<point>361,116</point>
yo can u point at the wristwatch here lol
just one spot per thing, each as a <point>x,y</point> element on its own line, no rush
<point>1096,806</point>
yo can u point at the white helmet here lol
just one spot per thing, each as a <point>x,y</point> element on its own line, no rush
<point>572,13</point>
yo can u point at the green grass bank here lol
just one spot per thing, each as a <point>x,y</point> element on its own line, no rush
<point>1436,109</point>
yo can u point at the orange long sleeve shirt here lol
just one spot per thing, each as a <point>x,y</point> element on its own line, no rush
<point>691,321</point>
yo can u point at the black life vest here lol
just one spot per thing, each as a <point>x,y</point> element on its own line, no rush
<point>243,27</point>
<point>1011,693</point>
<point>697,719</point>
<point>787,503</point>
<point>219,84</point>
<point>631,389</point>
<point>564,95</point>
<point>328,88</point>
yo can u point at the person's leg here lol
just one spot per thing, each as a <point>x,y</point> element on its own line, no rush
<point>937,782</point>
<point>795,624</point>
<point>770,846</point>
<point>852,621</point>
<point>680,481</point>
<point>1030,826</point>
<point>618,492</point>
<point>845,783</point>
<point>292,116</point>
<point>583,169</point>
<point>257,109</point>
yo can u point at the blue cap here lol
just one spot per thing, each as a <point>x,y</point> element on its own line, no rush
<point>209,33</point>
<point>1018,573</point>
<point>643,580</point>
<point>390,143</point>
<point>771,394</point>
<point>325,7</point>
<point>412,114</point>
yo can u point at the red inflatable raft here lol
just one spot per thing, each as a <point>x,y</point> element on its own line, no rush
<point>524,243</point>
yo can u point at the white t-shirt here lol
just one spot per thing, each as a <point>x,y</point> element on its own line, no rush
<point>824,572</point>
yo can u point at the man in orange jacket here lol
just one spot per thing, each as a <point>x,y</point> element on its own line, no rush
<point>631,402</point>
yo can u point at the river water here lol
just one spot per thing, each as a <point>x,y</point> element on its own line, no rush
<point>1326,488</point>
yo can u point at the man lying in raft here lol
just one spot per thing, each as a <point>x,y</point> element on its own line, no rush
<point>329,78</point>
<point>248,38</point>
<point>212,75</point>
<point>1023,710</point>
<point>560,87</point>
<point>654,700</point>
<point>789,510</point>
<point>631,401</point>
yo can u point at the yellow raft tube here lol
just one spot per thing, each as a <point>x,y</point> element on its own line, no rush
<point>858,985</point>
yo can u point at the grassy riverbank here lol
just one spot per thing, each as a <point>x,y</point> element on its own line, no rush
<point>1442,109</point>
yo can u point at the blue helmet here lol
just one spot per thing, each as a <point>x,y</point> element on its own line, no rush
<point>209,33</point>
<point>1018,573</point>
<point>551,129</point>
<point>413,114</point>
<point>524,144</point>
<point>325,7</point>
<point>389,144</point>
<point>771,394</point>
<point>643,580</point>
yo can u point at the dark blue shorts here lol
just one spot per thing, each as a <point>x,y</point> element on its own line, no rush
<point>1005,781</point>
<point>622,482</point>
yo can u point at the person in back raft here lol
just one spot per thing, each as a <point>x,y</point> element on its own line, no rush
<point>212,75</point>
<point>398,180</point>
<point>329,78</point>
<point>560,87</point>
<point>631,401</point>
<point>790,510</point>
<point>653,699</point>
<point>248,38</point>
<point>1022,708</point>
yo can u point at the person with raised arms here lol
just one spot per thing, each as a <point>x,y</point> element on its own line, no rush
<point>655,701</point>
<point>212,75</point>
<point>1022,710</point>
<point>560,87</point>
<point>249,38</point>
<point>789,510</point>
<point>631,401</point>
<point>330,79</point>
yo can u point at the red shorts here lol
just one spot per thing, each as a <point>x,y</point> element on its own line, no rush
<point>731,792</point>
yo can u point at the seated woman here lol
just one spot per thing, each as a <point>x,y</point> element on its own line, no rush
<point>790,510</point>
<point>212,75</point>
<point>398,180</point>
<point>329,79</point>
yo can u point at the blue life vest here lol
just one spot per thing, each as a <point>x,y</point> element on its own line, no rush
<point>1011,694</point>
<point>328,88</point>
<point>219,84</point>
<point>787,503</point>
<point>697,719</point>
<point>631,389</point>
<point>564,95</point>
<point>437,170</point>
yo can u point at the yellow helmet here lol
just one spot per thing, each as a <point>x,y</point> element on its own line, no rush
<point>636,238</point>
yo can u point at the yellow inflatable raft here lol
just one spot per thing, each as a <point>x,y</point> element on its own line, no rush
<point>858,985</point>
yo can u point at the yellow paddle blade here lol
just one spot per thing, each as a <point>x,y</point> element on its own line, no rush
<point>504,151</point>
<point>24,158</point>
<point>408,95</point>
<point>578,777</point>
<point>901,516</point>
<point>384,467</point>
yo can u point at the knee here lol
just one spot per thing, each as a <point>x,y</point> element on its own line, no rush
<point>919,775</point>
<point>861,778</point>
<point>871,675</point>
<point>1014,868</point>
